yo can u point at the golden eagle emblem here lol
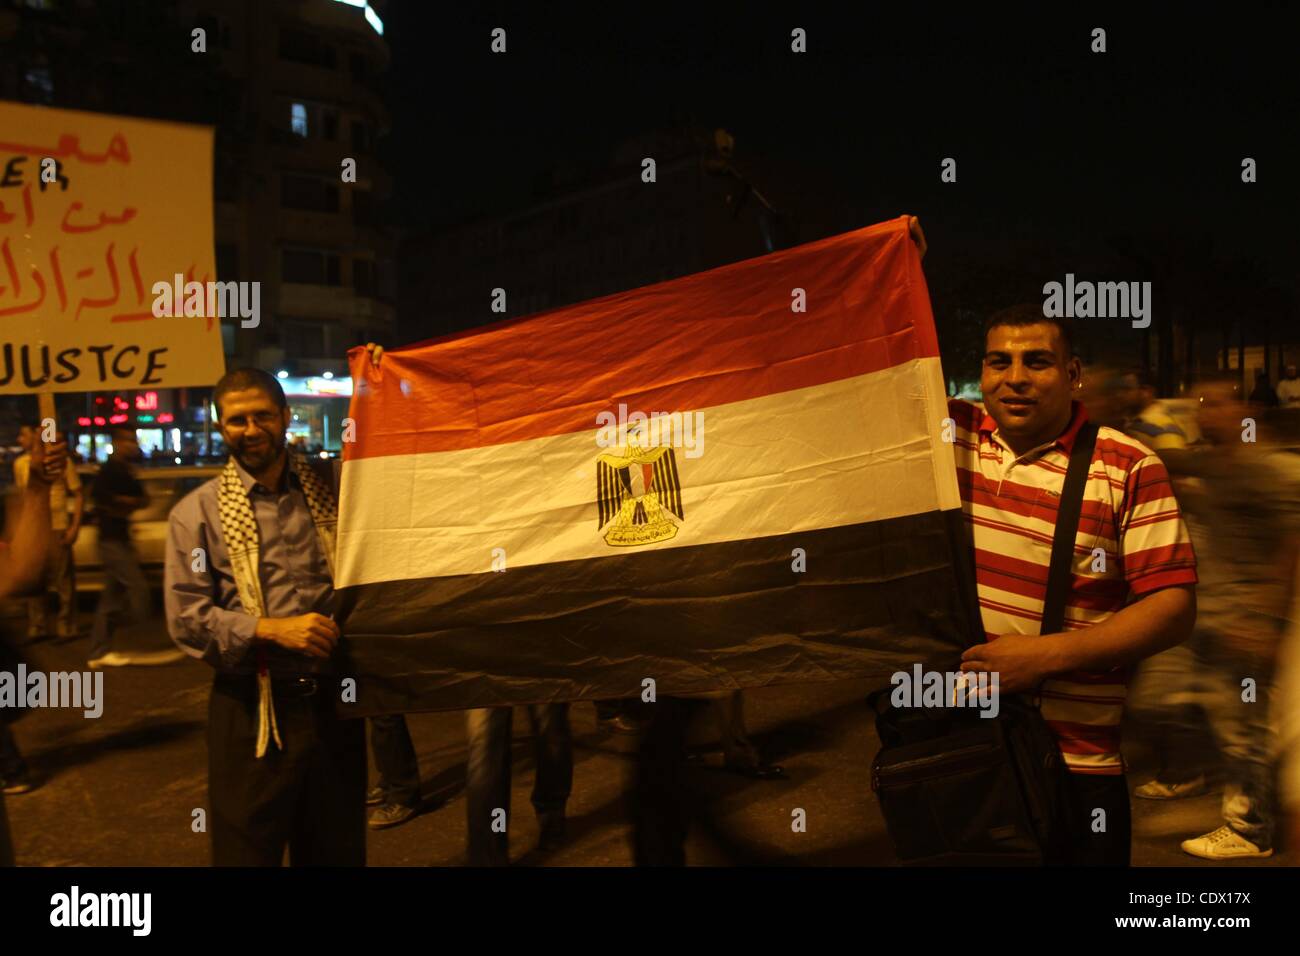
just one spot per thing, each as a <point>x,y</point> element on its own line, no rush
<point>635,494</point>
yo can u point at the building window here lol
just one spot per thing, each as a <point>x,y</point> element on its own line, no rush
<point>310,266</point>
<point>308,193</point>
<point>298,119</point>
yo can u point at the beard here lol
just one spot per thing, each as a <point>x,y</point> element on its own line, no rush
<point>264,451</point>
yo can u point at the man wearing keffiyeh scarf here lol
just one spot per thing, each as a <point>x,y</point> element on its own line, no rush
<point>249,590</point>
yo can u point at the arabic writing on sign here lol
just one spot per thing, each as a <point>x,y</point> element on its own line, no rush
<point>95,211</point>
<point>91,290</point>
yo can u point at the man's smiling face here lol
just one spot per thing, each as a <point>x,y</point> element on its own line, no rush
<point>1028,380</point>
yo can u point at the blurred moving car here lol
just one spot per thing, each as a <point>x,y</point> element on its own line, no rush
<point>166,487</point>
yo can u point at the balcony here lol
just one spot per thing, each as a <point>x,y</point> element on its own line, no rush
<point>331,302</point>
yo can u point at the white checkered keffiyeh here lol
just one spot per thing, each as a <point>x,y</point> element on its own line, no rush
<point>239,531</point>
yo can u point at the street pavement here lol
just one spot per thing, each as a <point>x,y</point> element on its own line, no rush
<point>121,790</point>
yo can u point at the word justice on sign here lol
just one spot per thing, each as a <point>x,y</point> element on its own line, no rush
<point>95,364</point>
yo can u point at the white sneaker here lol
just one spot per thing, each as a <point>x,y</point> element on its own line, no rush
<point>111,659</point>
<point>1224,843</point>
<point>1158,790</point>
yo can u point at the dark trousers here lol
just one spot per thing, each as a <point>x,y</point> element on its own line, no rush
<point>399,769</point>
<point>11,765</point>
<point>11,758</point>
<point>1094,846</point>
<point>60,577</point>
<point>310,796</point>
<point>662,800</point>
<point>125,599</point>
<point>6,841</point>
<point>487,787</point>
<point>728,712</point>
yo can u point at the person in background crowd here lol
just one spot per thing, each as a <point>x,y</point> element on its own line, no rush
<point>1263,393</point>
<point>396,796</point>
<point>1288,390</point>
<point>60,567</point>
<point>739,753</point>
<point>1245,521</point>
<point>1159,695</point>
<point>1288,723</point>
<point>1146,418</point>
<point>22,563</point>
<point>487,789</point>
<point>117,492</point>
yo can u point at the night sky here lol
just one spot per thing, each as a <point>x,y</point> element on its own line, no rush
<point>1126,164</point>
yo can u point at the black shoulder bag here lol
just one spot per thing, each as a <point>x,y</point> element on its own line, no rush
<point>959,789</point>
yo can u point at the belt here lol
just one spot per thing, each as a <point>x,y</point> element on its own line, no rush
<point>295,686</point>
<point>303,686</point>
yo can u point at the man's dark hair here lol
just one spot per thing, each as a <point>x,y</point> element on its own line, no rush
<point>122,430</point>
<point>1031,313</point>
<point>243,378</point>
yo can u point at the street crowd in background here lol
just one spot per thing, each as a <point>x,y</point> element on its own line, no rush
<point>1211,707</point>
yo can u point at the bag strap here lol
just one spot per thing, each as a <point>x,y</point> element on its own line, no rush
<point>1067,526</point>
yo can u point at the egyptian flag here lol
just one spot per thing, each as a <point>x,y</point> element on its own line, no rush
<point>732,479</point>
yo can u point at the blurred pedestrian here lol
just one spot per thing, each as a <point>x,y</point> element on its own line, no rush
<point>125,600</point>
<point>1159,696</point>
<point>1288,390</point>
<point>1147,418</point>
<point>60,565</point>
<point>1263,393</point>
<point>1245,521</point>
<point>1288,724</point>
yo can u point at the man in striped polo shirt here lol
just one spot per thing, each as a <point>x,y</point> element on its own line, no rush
<point>1132,591</point>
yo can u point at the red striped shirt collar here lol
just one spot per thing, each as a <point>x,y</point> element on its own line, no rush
<point>1078,415</point>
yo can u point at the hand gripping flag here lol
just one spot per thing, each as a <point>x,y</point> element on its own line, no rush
<point>732,479</point>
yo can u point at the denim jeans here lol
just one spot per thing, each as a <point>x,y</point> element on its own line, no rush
<point>487,788</point>
<point>395,759</point>
<point>1245,736</point>
<point>1206,674</point>
<point>1163,696</point>
<point>125,598</point>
